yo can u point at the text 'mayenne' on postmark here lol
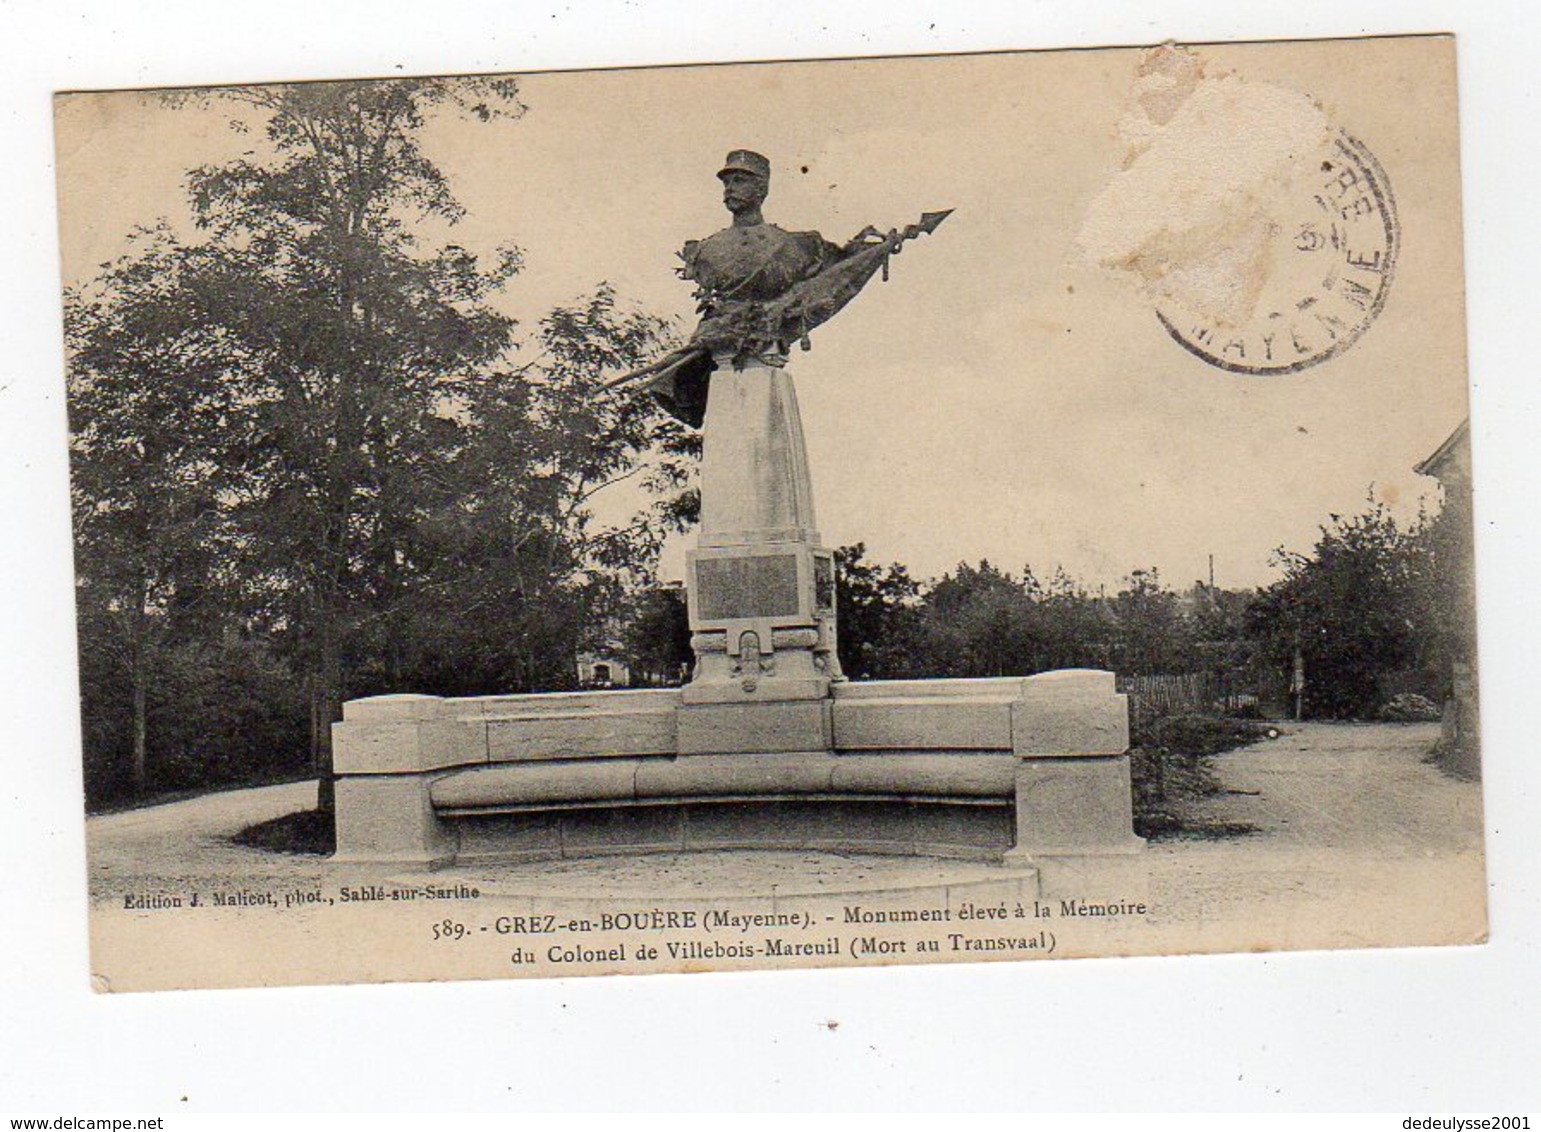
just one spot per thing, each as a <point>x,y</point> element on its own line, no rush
<point>1264,233</point>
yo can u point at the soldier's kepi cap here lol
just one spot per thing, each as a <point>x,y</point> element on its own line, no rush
<point>746,161</point>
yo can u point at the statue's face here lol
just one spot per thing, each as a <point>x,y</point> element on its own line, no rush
<point>742,190</point>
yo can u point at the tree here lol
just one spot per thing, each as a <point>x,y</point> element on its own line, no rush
<point>169,677</point>
<point>979,621</point>
<point>656,636</point>
<point>1150,633</point>
<point>876,616</point>
<point>1348,610</point>
<point>148,399</point>
<point>353,342</point>
<point>1078,630</point>
<point>331,429</point>
<point>514,573</point>
<point>1444,583</point>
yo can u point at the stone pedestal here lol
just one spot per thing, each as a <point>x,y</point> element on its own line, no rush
<point>760,588</point>
<point>387,751</point>
<point>762,620</point>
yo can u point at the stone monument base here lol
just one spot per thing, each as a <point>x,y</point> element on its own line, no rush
<point>1033,772</point>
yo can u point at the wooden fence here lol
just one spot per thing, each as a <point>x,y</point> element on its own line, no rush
<point>1180,693</point>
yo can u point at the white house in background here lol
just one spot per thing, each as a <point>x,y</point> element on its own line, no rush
<point>603,668</point>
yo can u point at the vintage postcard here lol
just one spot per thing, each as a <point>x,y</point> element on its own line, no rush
<point>903,510</point>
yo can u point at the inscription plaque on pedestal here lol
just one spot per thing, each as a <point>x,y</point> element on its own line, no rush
<point>748,587</point>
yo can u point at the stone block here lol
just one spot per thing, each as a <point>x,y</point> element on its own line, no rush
<point>766,825</point>
<point>509,837</point>
<point>513,785</point>
<point>647,829</point>
<point>390,818</point>
<point>972,832</point>
<point>453,742</point>
<point>367,746</point>
<point>740,586</point>
<point>1070,682</point>
<point>375,748</point>
<point>794,680</point>
<point>858,827</point>
<point>706,776</point>
<point>1074,712</point>
<point>949,830</point>
<point>1074,805</point>
<point>1005,688</point>
<point>392,709</point>
<point>621,700</point>
<point>923,722</point>
<point>725,729</point>
<point>583,733</point>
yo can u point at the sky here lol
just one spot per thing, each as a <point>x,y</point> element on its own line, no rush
<point>1000,396</point>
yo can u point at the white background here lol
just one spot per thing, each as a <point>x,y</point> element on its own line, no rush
<point>1406,1031</point>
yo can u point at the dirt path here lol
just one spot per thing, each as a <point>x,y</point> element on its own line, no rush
<point>1351,786</point>
<point>190,841</point>
<point>1360,842</point>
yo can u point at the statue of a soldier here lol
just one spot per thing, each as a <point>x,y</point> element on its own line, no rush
<point>759,288</point>
<point>761,587</point>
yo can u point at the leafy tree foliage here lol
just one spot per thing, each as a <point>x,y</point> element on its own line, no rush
<point>1445,584</point>
<point>306,426</point>
<point>1151,633</point>
<point>981,621</point>
<point>1350,609</point>
<point>656,638</point>
<point>876,617</point>
<point>148,403</point>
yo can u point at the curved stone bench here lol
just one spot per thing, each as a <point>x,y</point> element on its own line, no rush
<point>975,768</point>
<point>898,777</point>
<point>843,803</point>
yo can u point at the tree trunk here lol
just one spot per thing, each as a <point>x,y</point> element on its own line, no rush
<point>139,765</point>
<point>1298,684</point>
<point>326,709</point>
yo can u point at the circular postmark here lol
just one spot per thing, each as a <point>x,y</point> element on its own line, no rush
<point>1321,259</point>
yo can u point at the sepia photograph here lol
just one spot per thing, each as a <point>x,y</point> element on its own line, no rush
<point>626,557</point>
<point>895,510</point>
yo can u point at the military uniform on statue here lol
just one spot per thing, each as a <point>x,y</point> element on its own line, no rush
<point>761,588</point>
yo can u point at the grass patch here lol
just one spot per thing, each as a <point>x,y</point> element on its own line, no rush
<point>309,833</point>
<point>1172,765</point>
<point>1202,735</point>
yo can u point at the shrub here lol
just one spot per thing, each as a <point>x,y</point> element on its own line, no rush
<point>1196,734</point>
<point>1172,767</point>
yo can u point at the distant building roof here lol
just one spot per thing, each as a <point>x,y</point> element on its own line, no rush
<point>1454,455</point>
